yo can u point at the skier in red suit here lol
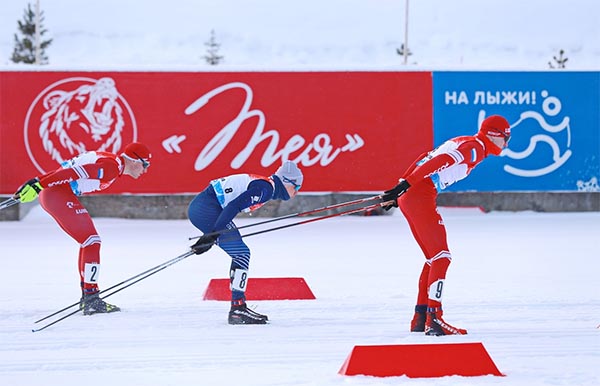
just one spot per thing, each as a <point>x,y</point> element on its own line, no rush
<point>58,190</point>
<point>416,195</point>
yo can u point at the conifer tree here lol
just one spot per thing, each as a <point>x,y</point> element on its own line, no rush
<point>400,51</point>
<point>560,61</point>
<point>24,51</point>
<point>212,57</point>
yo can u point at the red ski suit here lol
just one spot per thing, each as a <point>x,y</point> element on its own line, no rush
<point>430,173</point>
<point>86,173</point>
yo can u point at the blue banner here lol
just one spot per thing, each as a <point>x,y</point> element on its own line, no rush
<point>555,124</point>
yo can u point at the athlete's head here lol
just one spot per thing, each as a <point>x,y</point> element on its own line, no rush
<point>496,129</point>
<point>291,176</point>
<point>137,159</point>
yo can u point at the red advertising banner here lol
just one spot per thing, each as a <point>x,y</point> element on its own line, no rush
<point>348,131</point>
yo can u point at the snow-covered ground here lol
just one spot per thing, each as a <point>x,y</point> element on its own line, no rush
<point>524,284</point>
<point>313,34</point>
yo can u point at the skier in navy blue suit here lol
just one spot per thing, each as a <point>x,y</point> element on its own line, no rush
<point>212,211</point>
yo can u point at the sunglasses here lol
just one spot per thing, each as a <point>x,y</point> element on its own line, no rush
<point>505,137</point>
<point>296,186</point>
<point>145,164</point>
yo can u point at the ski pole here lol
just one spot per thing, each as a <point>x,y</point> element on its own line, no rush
<point>56,321</point>
<point>6,203</point>
<point>171,262</point>
<point>346,212</point>
<point>313,211</point>
<point>158,267</point>
<point>300,214</point>
<point>147,274</point>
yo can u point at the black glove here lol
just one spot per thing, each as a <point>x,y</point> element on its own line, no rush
<point>204,243</point>
<point>393,194</point>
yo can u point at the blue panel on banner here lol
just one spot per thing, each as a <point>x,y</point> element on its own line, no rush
<point>555,122</point>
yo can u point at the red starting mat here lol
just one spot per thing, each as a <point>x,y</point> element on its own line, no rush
<point>284,288</point>
<point>415,360</point>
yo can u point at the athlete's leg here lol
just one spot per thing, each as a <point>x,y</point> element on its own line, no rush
<point>420,209</point>
<point>74,219</point>
<point>203,212</point>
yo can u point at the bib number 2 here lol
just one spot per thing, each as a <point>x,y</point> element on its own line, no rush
<point>91,273</point>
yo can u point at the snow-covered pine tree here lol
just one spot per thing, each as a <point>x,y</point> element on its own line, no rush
<point>212,56</point>
<point>24,51</point>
